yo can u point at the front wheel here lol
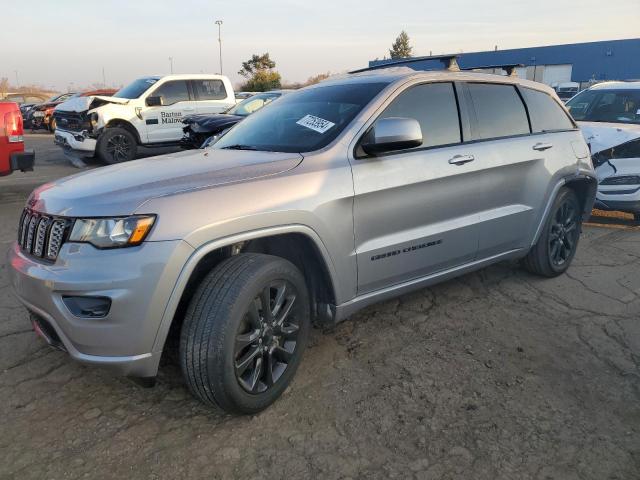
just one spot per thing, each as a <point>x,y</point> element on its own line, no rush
<point>244,332</point>
<point>558,242</point>
<point>116,145</point>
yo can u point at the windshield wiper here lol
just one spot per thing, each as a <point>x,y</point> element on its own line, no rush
<point>239,147</point>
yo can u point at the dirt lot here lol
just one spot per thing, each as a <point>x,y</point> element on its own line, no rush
<point>496,375</point>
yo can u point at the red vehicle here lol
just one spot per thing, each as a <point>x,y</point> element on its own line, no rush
<point>12,153</point>
<point>41,116</point>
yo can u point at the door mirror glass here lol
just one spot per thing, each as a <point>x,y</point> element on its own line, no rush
<point>155,101</point>
<point>393,133</point>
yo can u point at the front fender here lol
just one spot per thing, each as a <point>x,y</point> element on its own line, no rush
<point>203,250</point>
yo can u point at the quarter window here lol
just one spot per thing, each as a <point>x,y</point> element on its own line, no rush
<point>210,89</point>
<point>545,113</point>
<point>499,111</point>
<point>434,106</point>
<point>173,92</point>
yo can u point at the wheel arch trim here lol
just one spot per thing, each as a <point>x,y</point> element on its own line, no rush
<point>564,181</point>
<point>200,252</point>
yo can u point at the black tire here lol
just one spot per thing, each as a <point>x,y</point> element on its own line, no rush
<point>116,145</point>
<point>558,242</point>
<point>223,329</point>
<point>52,125</point>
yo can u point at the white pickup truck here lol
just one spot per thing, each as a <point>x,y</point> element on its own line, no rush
<point>147,112</point>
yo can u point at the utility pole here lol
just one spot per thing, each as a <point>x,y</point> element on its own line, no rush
<point>17,82</point>
<point>219,23</point>
<point>171,63</point>
<point>104,79</point>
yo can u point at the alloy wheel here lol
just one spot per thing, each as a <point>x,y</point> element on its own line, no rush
<point>119,147</point>
<point>563,235</point>
<point>266,341</point>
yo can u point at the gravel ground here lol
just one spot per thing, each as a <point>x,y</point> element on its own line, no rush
<point>496,375</point>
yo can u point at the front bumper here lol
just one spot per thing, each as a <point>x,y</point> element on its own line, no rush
<point>624,198</point>
<point>22,161</point>
<point>138,280</point>
<point>76,141</point>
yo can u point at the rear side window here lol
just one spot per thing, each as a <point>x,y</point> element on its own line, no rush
<point>173,92</point>
<point>210,89</point>
<point>499,111</point>
<point>545,113</point>
<point>434,106</point>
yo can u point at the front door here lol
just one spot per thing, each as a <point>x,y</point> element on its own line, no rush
<point>164,123</point>
<point>414,210</point>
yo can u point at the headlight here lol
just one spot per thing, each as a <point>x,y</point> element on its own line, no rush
<point>112,232</point>
<point>622,180</point>
<point>93,119</point>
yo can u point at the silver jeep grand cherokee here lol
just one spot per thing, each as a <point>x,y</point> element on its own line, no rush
<point>339,195</point>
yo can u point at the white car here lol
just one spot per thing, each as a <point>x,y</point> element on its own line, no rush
<point>609,117</point>
<point>147,112</point>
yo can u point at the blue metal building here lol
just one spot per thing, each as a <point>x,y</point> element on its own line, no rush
<point>583,63</point>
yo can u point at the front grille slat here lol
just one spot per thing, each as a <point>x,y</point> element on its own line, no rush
<point>40,235</point>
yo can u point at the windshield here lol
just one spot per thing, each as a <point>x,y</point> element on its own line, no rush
<point>302,121</point>
<point>60,98</point>
<point>252,104</point>
<point>617,106</point>
<point>136,88</point>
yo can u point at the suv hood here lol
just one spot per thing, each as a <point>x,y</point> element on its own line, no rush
<point>602,136</point>
<point>120,189</point>
<point>82,104</point>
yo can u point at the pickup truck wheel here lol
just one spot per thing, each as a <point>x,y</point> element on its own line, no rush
<point>557,245</point>
<point>244,332</point>
<point>116,145</point>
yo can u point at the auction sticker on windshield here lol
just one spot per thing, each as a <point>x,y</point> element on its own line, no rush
<point>316,124</point>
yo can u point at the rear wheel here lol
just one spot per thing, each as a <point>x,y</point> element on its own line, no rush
<point>244,332</point>
<point>116,145</point>
<point>557,245</point>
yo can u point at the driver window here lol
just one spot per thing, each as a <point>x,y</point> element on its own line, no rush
<point>434,106</point>
<point>173,92</point>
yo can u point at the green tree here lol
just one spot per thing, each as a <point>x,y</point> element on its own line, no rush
<point>255,64</point>
<point>401,47</point>
<point>262,81</point>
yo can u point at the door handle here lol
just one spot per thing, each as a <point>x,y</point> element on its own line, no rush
<point>461,159</point>
<point>542,146</point>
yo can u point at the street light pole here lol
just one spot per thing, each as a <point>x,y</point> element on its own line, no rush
<point>17,82</point>
<point>171,63</point>
<point>219,23</point>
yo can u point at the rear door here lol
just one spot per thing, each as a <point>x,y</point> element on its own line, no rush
<point>164,123</point>
<point>211,96</point>
<point>414,209</point>
<point>515,167</point>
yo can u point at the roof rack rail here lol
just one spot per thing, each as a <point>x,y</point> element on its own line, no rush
<point>450,63</point>
<point>509,68</point>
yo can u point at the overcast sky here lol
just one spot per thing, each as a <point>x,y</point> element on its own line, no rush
<point>66,43</point>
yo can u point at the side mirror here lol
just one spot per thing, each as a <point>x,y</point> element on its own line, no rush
<point>154,102</point>
<point>393,133</point>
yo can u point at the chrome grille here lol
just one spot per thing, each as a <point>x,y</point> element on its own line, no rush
<point>41,235</point>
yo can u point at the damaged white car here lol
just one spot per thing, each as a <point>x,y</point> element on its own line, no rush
<point>609,116</point>
<point>147,112</point>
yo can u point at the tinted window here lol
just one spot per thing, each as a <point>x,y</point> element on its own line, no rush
<point>617,106</point>
<point>545,113</point>
<point>136,88</point>
<point>434,107</point>
<point>172,92</point>
<point>210,89</point>
<point>301,121</point>
<point>499,111</point>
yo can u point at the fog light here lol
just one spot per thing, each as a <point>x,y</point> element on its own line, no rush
<point>88,307</point>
